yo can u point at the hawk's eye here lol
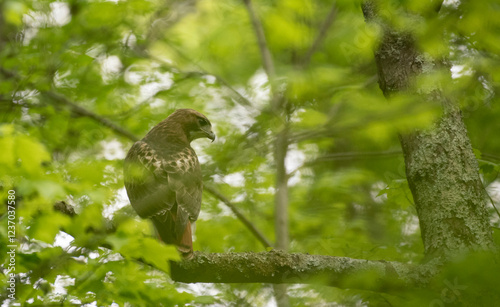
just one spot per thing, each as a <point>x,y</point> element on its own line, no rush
<point>202,121</point>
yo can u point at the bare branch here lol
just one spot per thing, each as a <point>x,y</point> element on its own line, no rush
<point>321,35</point>
<point>84,112</point>
<point>355,155</point>
<point>201,71</point>
<point>349,156</point>
<point>492,202</point>
<point>281,207</point>
<point>490,157</point>
<point>267,60</point>
<point>262,239</point>
<point>281,195</point>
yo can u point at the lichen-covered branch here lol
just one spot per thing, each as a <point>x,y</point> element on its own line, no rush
<point>279,267</point>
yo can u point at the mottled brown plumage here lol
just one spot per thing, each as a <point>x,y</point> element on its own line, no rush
<point>163,176</point>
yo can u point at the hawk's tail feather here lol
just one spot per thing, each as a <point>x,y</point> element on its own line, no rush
<point>185,246</point>
<point>165,227</point>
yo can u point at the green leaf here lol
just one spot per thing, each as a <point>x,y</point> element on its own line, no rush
<point>312,118</point>
<point>30,153</point>
<point>13,12</point>
<point>477,153</point>
<point>46,226</point>
<point>205,300</point>
<point>148,249</point>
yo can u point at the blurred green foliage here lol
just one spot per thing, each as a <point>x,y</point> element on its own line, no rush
<point>133,62</point>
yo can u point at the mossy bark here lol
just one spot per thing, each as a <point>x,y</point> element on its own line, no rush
<point>443,176</point>
<point>441,168</point>
<point>279,267</point>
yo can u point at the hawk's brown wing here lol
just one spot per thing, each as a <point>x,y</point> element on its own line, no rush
<point>165,185</point>
<point>145,181</point>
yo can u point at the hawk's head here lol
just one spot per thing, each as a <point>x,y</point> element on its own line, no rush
<point>194,124</point>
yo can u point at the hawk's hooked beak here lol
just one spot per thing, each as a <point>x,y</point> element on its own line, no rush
<point>208,132</point>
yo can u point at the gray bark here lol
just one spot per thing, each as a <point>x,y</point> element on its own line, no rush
<point>281,207</point>
<point>441,168</point>
<point>443,176</point>
<point>281,197</point>
<point>279,267</point>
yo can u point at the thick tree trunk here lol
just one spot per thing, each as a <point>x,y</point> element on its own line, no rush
<point>441,168</point>
<point>449,197</point>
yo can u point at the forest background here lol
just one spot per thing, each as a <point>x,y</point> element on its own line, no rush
<point>365,132</point>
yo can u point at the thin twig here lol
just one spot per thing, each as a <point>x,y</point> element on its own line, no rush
<point>490,156</point>
<point>76,108</point>
<point>267,60</point>
<point>84,112</point>
<point>240,216</point>
<point>347,156</point>
<point>277,107</point>
<point>201,71</point>
<point>355,155</point>
<point>321,35</point>
<point>492,202</point>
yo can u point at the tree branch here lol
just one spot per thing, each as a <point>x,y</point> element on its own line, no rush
<point>262,239</point>
<point>84,112</point>
<point>279,267</point>
<point>76,108</point>
<point>281,197</point>
<point>355,155</point>
<point>321,35</point>
<point>267,60</point>
<point>242,100</point>
<point>490,157</point>
<point>281,206</point>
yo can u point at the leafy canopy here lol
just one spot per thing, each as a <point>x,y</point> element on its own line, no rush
<point>66,65</point>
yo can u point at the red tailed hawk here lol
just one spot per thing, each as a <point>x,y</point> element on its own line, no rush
<point>163,176</point>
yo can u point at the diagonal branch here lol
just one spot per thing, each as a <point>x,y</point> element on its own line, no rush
<point>267,59</point>
<point>84,112</point>
<point>242,100</point>
<point>321,36</point>
<point>355,155</point>
<point>240,216</point>
<point>490,157</point>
